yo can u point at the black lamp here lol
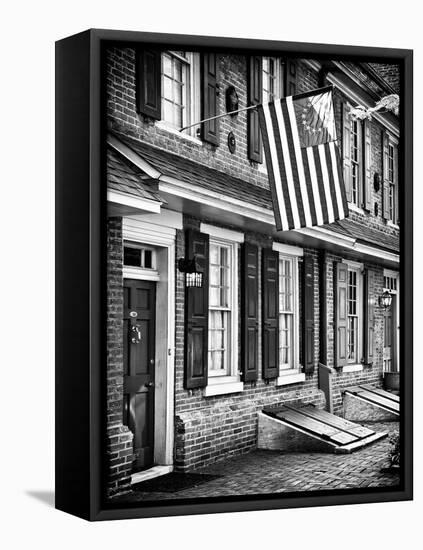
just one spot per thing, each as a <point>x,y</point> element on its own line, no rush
<point>385,300</point>
<point>193,273</point>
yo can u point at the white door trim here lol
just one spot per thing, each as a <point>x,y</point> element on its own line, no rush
<point>163,238</point>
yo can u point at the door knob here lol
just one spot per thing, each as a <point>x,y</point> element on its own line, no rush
<point>149,384</point>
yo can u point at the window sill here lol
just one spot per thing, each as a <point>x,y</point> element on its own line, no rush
<point>163,126</point>
<point>352,368</point>
<point>286,379</point>
<point>355,208</point>
<point>390,223</point>
<point>223,388</point>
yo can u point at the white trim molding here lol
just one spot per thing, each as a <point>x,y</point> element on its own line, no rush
<point>287,249</point>
<point>286,379</point>
<point>352,368</point>
<point>133,201</point>
<point>222,233</point>
<point>133,157</point>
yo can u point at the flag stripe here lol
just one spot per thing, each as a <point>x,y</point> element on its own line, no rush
<point>303,162</point>
<point>341,179</point>
<point>284,179</point>
<point>293,160</point>
<point>331,181</point>
<point>299,163</point>
<point>287,158</point>
<point>322,195</point>
<point>315,185</point>
<point>324,167</point>
<point>274,173</point>
<point>311,199</point>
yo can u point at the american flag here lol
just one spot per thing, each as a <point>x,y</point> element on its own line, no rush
<point>303,162</point>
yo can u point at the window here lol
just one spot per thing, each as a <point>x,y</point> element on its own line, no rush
<point>392,209</point>
<point>180,89</point>
<point>138,256</point>
<point>273,86</point>
<point>356,162</point>
<point>272,79</point>
<point>288,314</point>
<point>223,367</point>
<point>354,316</point>
<point>220,309</point>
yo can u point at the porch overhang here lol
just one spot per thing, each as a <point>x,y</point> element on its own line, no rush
<point>190,188</point>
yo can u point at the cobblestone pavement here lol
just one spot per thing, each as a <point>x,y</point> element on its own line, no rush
<point>261,472</point>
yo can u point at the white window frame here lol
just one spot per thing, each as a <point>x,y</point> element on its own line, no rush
<point>141,273</point>
<point>356,365</point>
<point>393,142</point>
<point>293,373</point>
<point>229,383</point>
<point>279,89</point>
<point>193,108</point>
<point>357,204</point>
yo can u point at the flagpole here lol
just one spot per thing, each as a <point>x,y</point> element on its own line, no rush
<point>218,116</point>
<point>298,96</point>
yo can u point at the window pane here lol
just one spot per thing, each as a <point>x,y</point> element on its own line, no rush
<point>132,256</point>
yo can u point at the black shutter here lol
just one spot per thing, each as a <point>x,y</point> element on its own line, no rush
<point>367,187</point>
<point>210,90</point>
<point>148,83</point>
<point>270,313</point>
<point>197,314</point>
<point>255,96</point>
<point>341,316</point>
<point>369,316</point>
<point>385,177</point>
<point>291,77</point>
<point>346,149</point>
<point>308,314</point>
<point>249,312</point>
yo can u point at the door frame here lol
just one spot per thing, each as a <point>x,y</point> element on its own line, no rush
<point>159,230</point>
<point>395,315</point>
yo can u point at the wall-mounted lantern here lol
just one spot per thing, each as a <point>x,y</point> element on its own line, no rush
<point>385,300</point>
<point>193,273</point>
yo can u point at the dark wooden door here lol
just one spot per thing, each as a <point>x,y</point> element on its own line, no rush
<point>139,358</point>
<point>389,337</point>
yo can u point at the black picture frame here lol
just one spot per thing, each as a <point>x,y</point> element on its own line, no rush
<point>80,281</point>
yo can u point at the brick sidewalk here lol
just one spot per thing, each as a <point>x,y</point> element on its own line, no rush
<point>261,472</point>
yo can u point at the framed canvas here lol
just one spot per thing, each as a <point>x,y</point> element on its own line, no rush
<point>234,274</point>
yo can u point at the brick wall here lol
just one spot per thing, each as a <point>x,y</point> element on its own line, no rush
<point>119,438</point>
<point>210,428</point>
<point>369,375</point>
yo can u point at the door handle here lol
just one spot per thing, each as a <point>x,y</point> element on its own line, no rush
<point>149,384</point>
<point>137,337</point>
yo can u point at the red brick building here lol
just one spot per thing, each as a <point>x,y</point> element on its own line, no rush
<point>189,368</point>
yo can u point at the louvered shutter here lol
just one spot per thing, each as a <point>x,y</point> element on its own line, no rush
<point>197,314</point>
<point>291,77</point>
<point>385,177</point>
<point>341,316</point>
<point>148,83</point>
<point>308,314</point>
<point>255,96</point>
<point>346,149</point>
<point>249,312</point>
<point>367,188</point>
<point>209,103</point>
<point>369,316</point>
<point>396,169</point>
<point>270,313</point>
